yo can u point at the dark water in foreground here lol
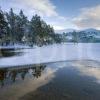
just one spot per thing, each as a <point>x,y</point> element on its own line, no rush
<point>70,80</point>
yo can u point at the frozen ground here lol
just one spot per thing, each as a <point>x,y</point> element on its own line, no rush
<point>53,53</point>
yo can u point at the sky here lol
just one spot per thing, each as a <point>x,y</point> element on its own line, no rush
<point>61,14</point>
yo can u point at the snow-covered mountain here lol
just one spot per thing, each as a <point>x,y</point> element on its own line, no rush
<point>89,30</point>
<point>92,32</point>
<point>65,30</point>
<point>87,35</point>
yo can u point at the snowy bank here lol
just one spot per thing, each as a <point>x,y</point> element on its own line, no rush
<point>53,53</point>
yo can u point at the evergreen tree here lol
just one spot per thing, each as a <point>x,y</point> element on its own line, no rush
<point>12,22</point>
<point>75,37</point>
<point>21,26</point>
<point>3,26</point>
<point>19,29</point>
<point>41,32</point>
<point>36,29</point>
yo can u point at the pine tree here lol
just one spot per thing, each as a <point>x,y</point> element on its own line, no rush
<point>19,29</point>
<point>22,26</point>
<point>12,22</point>
<point>3,26</point>
<point>35,29</point>
<point>41,32</point>
<point>75,37</point>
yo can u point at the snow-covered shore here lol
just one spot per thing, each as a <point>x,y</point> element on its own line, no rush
<point>53,53</point>
<point>16,46</point>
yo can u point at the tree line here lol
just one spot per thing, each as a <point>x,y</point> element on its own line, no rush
<point>16,28</point>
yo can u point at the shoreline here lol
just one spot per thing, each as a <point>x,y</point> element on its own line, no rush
<point>36,64</point>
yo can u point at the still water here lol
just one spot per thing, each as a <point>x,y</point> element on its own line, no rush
<point>68,80</point>
<point>9,52</point>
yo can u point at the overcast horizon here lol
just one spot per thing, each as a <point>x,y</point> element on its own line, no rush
<point>65,14</point>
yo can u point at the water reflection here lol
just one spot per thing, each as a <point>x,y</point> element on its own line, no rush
<point>88,68</point>
<point>9,52</point>
<point>12,74</point>
<point>3,73</point>
<point>68,83</point>
<point>59,81</point>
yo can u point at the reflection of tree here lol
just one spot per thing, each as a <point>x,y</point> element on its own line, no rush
<point>7,52</point>
<point>15,72</point>
<point>3,73</point>
<point>24,72</point>
<point>38,70</point>
<point>13,75</point>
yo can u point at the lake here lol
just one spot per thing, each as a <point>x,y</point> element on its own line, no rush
<point>55,72</point>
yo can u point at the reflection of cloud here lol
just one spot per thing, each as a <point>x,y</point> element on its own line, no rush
<point>19,89</point>
<point>89,68</point>
<point>89,18</point>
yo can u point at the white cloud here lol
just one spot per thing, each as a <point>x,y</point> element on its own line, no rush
<point>42,7</point>
<point>58,27</point>
<point>88,18</point>
<point>61,24</point>
<point>45,8</point>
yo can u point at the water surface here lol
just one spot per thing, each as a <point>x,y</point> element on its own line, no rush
<point>68,80</point>
<point>9,52</point>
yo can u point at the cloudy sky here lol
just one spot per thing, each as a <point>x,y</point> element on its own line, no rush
<point>61,14</point>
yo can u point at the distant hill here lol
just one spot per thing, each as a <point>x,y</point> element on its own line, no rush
<point>91,30</point>
<point>71,30</point>
<point>87,35</point>
<point>64,30</point>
